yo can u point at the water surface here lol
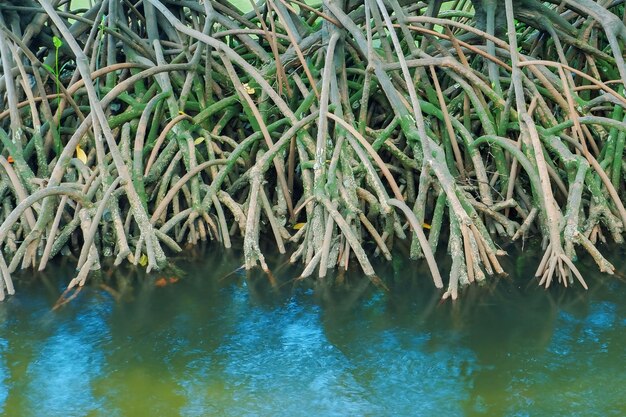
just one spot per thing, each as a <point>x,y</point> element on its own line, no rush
<point>223,343</point>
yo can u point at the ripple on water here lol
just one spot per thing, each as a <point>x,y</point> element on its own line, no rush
<point>67,363</point>
<point>570,377</point>
<point>404,374</point>
<point>4,374</point>
<point>574,333</point>
<point>277,360</point>
<point>244,352</point>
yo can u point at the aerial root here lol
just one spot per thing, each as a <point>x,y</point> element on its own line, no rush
<point>203,123</point>
<point>556,262</point>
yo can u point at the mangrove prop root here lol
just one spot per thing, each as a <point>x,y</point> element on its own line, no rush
<point>334,131</point>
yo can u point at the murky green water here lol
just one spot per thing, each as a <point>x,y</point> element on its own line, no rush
<point>214,344</point>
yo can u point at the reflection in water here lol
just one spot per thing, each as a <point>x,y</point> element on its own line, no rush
<point>67,362</point>
<point>4,374</point>
<point>230,344</point>
<point>282,357</point>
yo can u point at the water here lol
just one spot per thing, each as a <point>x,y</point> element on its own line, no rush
<point>217,343</point>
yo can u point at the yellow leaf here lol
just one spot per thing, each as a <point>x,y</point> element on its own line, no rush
<point>143,261</point>
<point>425,225</point>
<point>249,89</point>
<point>80,154</point>
<point>199,140</point>
<point>298,226</point>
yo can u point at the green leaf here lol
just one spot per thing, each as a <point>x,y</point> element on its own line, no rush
<point>48,67</point>
<point>57,42</point>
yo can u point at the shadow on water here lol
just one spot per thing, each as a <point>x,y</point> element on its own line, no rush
<point>207,338</point>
